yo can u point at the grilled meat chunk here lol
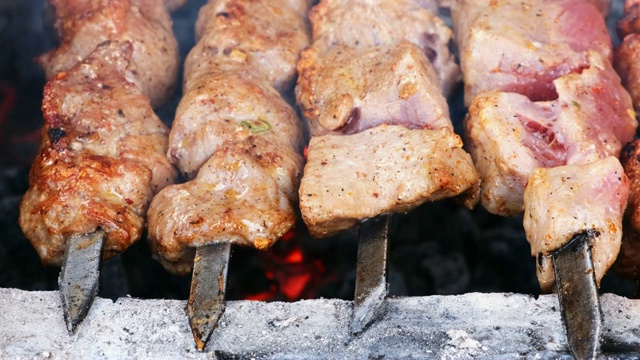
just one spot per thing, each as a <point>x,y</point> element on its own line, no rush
<point>265,35</point>
<point>563,201</point>
<point>236,197</point>
<point>380,170</point>
<point>101,159</point>
<point>627,263</point>
<point>522,46</point>
<point>627,63</point>
<point>218,103</point>
<point>345,90</point>
<point>363,24</point>
<point>83,24</point>
<point>510,136</point>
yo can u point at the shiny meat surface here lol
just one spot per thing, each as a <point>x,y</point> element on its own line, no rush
<point>83,24</point>
<point>346,90</point>
<point>267,36</point>
<point>234,135</point>
<point>101,158</point>
<point>381,170</point>
<point>510,136</point>
<point>563,201</point>
<point>217,105</point>
<point>236,197</point>
<point>522,46</point>
<point>363,24</point>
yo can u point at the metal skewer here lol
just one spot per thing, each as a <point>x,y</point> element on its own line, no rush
<point>371,273</point>
<point>208,285</point>
<point>578,295</point>
<point>80,275</point>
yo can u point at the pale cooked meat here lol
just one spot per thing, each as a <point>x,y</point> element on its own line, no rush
<point>604,6</point>
<point>363,24</point>
<point>345,90</point>
<point>235,198</point>
<point>83,24</point>
<point>173,5</point>
<point>219,103</point>
<point>265,35</point>
<point>101,158</point>
<point>380,170</point>
<point>566,200</point>
<point>522,46</point>
<point>510,136</point>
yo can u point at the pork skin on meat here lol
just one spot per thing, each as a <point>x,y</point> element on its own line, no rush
<point>385,169</point>
<point>522,46</point>
<point>565,200</point>
<point>267,36</point>
<point>346,91</point>
<point>510,136</point>
<point>101,159</point>
<point>364,24</point>
<point>146,24</point>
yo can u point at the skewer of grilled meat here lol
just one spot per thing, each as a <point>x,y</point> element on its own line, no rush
<point>545,128</point>
<point>83,24</point>
<point>238,141</point>
<point>371,86</point>
<point>100,162</point>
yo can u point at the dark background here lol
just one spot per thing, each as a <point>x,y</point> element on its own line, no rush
<point>437,249</point>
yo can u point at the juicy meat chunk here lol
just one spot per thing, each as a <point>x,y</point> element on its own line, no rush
<point>627,263</point>
<point>384,169</point>
<point>219,104</point>
<point>265,35</point>
<point>345,90</point>
<point>101,158</point>
<point>563,201</point>
<point>627,63</point>
<point>630,22</point>
<point>236,197</point>
<point>364,24</point>
<point>510,136</point>
<point>83,24</point>
<point>522,46</point>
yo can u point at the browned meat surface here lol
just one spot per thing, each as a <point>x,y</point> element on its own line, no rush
<point>266,35</point>
<point>522,46</point>
<point>233,134</point>
<point>236,197</point>
<point>346,90</point>
<point>381,170</point>
<point>101,158</point>
<point>563,201</point>
<point>83,24</point>
<point>363,24</point>
<point>627,263</point>
<point>510,136</point>
<point>627,63</point>
<point>630,22</point>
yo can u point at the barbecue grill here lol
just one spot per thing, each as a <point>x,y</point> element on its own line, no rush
<point>462,283</point>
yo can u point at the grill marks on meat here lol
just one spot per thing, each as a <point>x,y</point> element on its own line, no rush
<point>392,85</point>
<point>234,135</point>
<point>83,24</point>
<point>510,136</point>
<point>522,46</point>
<point>101,158</point>
<point>546,140</point>
<point>365,24</point>
<point>567,200</point>
<point>267,36</point>
<point>380,170</point>
<point>383,141</point>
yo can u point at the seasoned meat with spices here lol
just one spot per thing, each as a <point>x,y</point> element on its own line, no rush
<point>385,169</point>
<point>83,24</point>
<point>363,24</point>
<point>267,36</point>
<point>345,90</point>
<point>101,158</point>
<point>565,200</point>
